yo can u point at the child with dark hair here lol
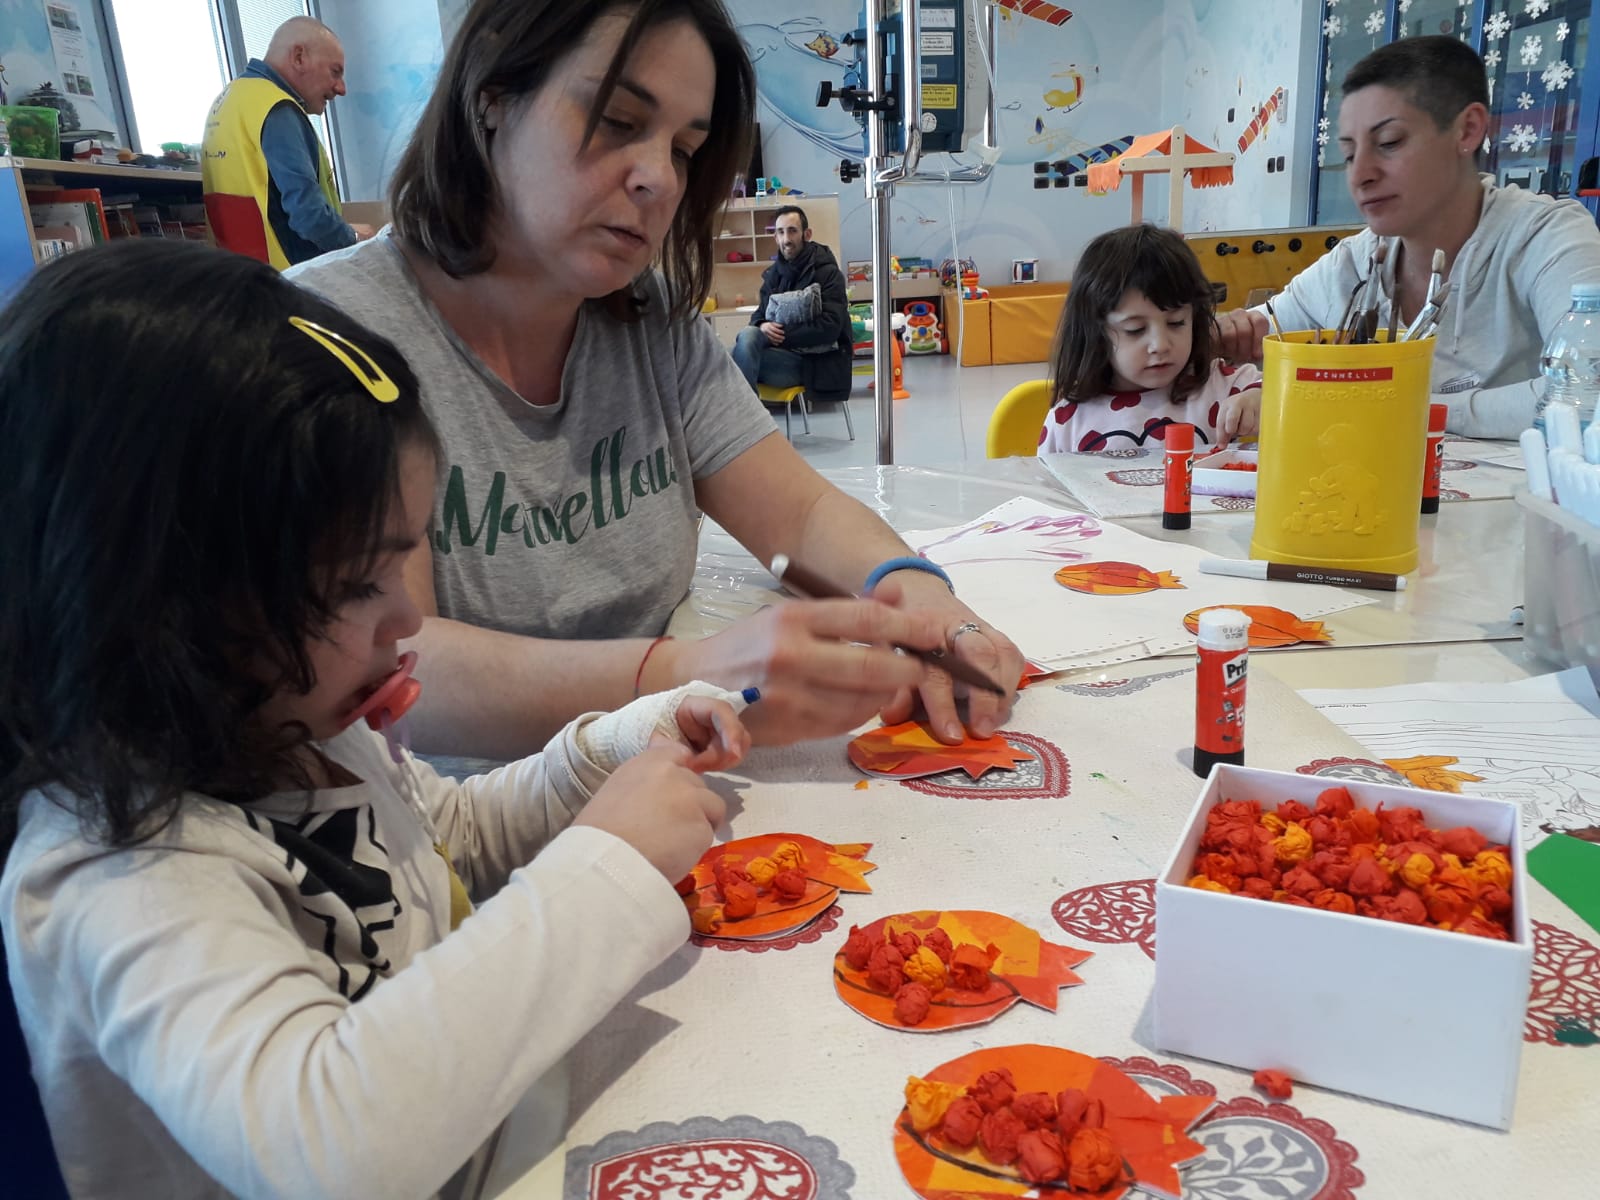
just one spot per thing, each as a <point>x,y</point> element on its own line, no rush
<point>1133,353</point>
<point>1413,119</point>
<point>239,921</point>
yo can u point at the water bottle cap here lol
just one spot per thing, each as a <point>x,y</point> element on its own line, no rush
<point>1586,291</point>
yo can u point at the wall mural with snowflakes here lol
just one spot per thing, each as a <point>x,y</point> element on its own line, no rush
<point>1535,52</point>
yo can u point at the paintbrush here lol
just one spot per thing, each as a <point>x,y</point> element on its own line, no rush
<point>804,582</point>
<point>1428,319</point>
<point>1394,291</point>
<point>1273,317</point>
<point>1348,315</point>
<point>1437,276</point>
<point>1367,329</point>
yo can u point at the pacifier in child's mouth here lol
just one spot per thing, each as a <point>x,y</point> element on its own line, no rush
<point>388,702</point>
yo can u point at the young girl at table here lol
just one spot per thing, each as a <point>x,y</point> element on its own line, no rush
<point>240,926</point>
<point>1134,352</point>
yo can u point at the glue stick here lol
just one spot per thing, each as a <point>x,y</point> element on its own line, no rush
<point>1434,462</point>
<point>1224,654</point>
<point>1179,439</point>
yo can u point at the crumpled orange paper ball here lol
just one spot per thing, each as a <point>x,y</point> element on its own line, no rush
<point>1093,1160</point>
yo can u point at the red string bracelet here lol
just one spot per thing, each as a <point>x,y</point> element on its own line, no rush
<point>638,676</point>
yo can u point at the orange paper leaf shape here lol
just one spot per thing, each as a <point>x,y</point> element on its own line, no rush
<point>1114,579</point>
<point>828,869</point>
<point>1150,1133</point>
<point>1268,626</point>
<point>909,750</point>
<point>1028,968</point>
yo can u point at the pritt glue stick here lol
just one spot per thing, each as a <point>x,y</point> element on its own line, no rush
<point>1179,439</point>
<point>1224,655</point>
<point>1435,458</point>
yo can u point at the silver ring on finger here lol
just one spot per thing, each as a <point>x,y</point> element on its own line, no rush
<point>967,627</point>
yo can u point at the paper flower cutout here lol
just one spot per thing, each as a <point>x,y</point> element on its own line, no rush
<point>1532,48</point>
<point>1268,626</point>
<point>827,869</point>
<point>1016,964</point>
<point>909,749</point>
<point>1521,139</point>
<point>1496,27</point>
<point>1149,1133</point>
<point>1556,75</point>
<point>1114,579</point>
<point>1524,101</point>
<point>1374,23</point>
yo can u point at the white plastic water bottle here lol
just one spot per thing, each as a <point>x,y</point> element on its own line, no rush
<point>1570,362</point>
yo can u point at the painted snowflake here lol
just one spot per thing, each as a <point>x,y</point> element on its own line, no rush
<point>1374,23</point>
<point>1556,75</point>
<point>1524,101</point>
<point>1333,27</point>
<point>1496,27</point>
<point>1536,8</point>
<point>1492,59</point>
<point>1332,4</point>
<point>1532,48</point>
<point>1322,138</point>
<point>1521,139</point>
<point>1405,5</point>
<point>1562,30</point>
<point>1322,125</point>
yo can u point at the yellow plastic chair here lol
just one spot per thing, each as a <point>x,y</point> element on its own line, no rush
<point>788,397</point>
<point>1016,421</point>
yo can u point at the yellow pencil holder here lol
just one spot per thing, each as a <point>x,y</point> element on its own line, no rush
<point>1344,430</point>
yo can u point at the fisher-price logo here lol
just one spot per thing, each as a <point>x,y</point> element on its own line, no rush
<point>1350,375</point>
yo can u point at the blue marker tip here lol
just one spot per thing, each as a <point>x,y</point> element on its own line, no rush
<point>751,695</point>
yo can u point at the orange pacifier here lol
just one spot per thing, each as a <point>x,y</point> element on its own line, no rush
<point>390,700</point>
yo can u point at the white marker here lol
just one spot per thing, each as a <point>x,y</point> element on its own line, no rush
<point>1535,457</point>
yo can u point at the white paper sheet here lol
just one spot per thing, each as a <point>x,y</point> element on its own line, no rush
<point>1127,482</point>
<point>1535,741</point>
<point>1004,564</point>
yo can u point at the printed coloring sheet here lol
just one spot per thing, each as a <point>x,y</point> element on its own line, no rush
<point>1003,565</point>
<point>1535,742</point>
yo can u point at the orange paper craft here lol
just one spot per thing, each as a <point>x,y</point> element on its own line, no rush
<point>1029,968</point>
<point>909,750</point>
<point>1269,627</point>
<point>1114,579</point>
<point>1151,1134</point>
<point>829,870</point>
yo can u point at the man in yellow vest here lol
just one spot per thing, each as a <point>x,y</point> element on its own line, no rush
<point>269,189</point>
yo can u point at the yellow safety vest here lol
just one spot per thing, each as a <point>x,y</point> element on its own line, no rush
<point>233,170</point>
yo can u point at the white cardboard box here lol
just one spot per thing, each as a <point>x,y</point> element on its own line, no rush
<point>1209,479</point>
<point>1419,1017</point>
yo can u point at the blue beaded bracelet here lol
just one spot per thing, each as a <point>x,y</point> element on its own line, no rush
<point>908,563</point>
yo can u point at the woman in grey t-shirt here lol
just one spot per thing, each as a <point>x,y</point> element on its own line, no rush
<point>550,251</point>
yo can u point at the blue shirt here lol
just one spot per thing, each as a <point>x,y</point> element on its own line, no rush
<point>305,223</point>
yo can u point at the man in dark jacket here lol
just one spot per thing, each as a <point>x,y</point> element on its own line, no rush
<point>800,330</point>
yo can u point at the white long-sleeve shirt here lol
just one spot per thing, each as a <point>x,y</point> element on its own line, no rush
<point>1512,282</point>
<point>264,1001</point>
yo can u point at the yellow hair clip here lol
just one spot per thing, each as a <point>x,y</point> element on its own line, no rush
<point>371,376</point>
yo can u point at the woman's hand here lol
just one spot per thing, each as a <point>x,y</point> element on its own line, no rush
<point>1239,334</point>
<point>823,666</point>
<point>967,636</point>
<point>714,733</point>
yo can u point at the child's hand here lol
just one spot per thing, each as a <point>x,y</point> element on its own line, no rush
<point>659,806</point>
<point>714,732</point>
<point>1239,416</point>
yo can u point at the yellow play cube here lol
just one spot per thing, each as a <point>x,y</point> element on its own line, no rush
<point>1344,430</point>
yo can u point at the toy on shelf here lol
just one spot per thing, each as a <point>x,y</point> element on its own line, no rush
<point>970,289</point>
<point>951,271</point>
<point>923,334</point>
